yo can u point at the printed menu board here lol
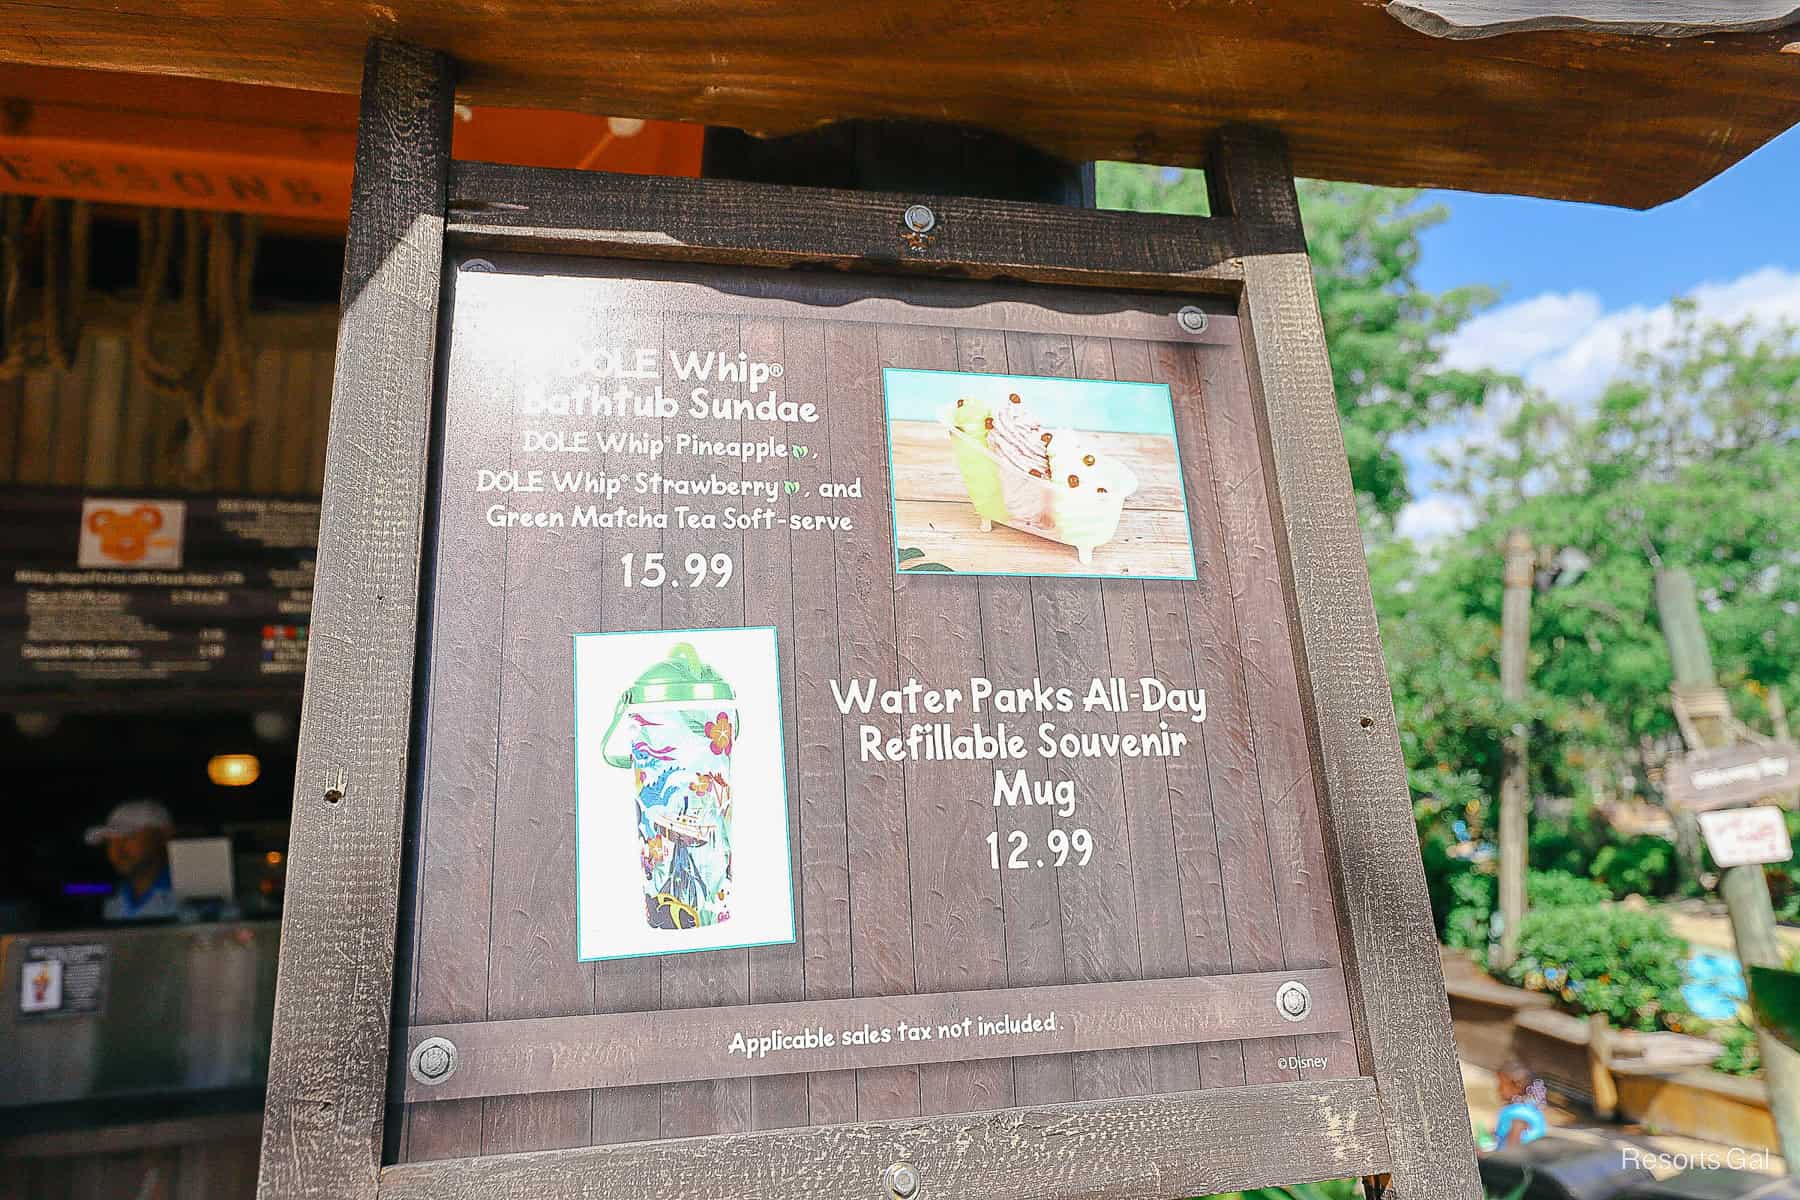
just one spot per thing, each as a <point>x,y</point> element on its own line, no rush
<point>115,595</point>
<point>850,699</point>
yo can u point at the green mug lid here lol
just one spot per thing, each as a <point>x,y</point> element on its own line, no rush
<point>681,676</point>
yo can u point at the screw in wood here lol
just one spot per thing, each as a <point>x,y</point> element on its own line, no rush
<point>1293,1001</point>
<point>433,1060</point>
<point>902,1180</point>
<point>1191,318</point>
<point>920,219</point>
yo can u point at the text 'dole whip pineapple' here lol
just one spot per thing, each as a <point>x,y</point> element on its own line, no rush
<point>681,718</point>
<point>1053,483</point>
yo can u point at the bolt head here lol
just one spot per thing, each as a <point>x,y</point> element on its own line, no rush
<point>433,1060</point>
<point>1191,318</point>
<point>1293,1001</point>
<point>920,219</point>
<point>902,1180</point>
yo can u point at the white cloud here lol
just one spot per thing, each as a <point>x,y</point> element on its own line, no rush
<point>1567,345</point>
<point>1433,517</point>
<point>1522,333</point>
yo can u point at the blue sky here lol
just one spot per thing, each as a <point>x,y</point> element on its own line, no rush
<point>1057,403</point>
<point>1577,281</point>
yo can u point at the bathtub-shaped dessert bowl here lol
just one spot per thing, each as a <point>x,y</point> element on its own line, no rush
<point>1052,483</point>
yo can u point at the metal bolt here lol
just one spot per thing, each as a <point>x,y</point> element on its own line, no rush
<point>902,1180</point>
<point>1293,1001</point>
<point>920,219</point>
<point>1191,318</point>
<point>433,1060</point>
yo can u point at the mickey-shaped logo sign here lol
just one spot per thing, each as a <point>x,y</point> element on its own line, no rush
<point>124,536</point>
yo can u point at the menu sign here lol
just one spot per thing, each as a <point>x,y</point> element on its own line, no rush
<point>1730,776</point>
<point>861,700</point>
<point>108,594</point>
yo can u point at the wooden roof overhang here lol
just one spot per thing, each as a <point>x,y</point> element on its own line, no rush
<point>1487,95</point>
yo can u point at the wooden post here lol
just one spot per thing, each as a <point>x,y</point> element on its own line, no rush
<point>1745,890</point>
<point>1600,1055</point>
<point>1515,783</point>
<point>1344,681</point>
<point>322,1125</point>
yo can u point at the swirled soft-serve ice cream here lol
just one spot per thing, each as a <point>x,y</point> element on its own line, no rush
<point>1022,446</point>
<point>1055,483</point>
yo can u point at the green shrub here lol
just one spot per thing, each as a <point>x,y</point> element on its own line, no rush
<point>1560,889</point>
<point>1643,864</point>
<point>1741,1055</point>
<point>1473,898</point>
<point>1440,869</point>
<point>1569,846</point>
<point>1595,959</point>
<point>1475,894</point>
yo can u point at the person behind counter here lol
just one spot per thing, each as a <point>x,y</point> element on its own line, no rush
<point>136,836</point>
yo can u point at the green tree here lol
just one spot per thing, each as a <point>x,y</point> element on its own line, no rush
<point>1383,330</point>
<point>1692,455</point>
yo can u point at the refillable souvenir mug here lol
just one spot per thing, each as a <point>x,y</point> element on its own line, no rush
<point>682,719</point>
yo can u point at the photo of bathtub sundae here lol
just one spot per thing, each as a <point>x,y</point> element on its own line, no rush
<point>1023,475</point>
<point>1054,483</point>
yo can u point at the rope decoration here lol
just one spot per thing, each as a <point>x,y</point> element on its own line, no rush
<point>58,328</point>
<point>208,369</point>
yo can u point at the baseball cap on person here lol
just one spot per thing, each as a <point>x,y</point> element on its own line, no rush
<point>133,816</point>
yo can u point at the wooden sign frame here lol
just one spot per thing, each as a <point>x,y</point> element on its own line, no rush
<point>1402,1124</point>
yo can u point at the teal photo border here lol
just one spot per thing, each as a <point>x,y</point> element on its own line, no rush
<point>1187,518</point>
<point>786,814</point>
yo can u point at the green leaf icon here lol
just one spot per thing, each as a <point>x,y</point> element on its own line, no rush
<point>909,553</point>
<point>790,486</point>
<point>801,452</point>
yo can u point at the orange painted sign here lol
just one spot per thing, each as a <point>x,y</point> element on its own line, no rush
<point>185,143</point>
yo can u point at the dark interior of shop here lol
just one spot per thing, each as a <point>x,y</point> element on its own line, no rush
<point>66,771</point>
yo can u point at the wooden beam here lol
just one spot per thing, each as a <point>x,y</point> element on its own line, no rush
<point>603,1050</point>
<point>1463,19</point>
<point>1562,113</point>
<point>701,220</point>
<point>322,1129</point>
<point>1391,956</point>
<point>1156,1147</point>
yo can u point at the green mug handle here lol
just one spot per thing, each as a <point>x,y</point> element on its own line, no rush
<point>606,740</point>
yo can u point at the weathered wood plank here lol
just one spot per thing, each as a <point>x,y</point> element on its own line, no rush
<point>1229,829</point>
<point>778,973</point>
<point>661,218</point>
<point>454,834</point>
<point>629,985</point>
<point>1462,19</point>
<point>512,1057</point>
<point>1303,906</point>
<point>1030,901</point>
<point>881,917</point>
<point>958,935</point>
<point>322,1130</point>
<point>68,457</point>
<point>1373,102</point>
<point>106,409</point>
<point>720,977</point>
<point>1148,1149</point>
<point>37,427</point>
<point>1099,902</point>
<point>533,966</point>
<point>1394,975</point>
